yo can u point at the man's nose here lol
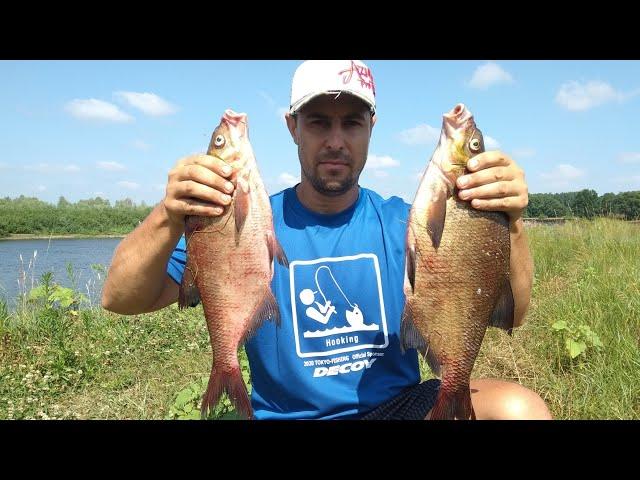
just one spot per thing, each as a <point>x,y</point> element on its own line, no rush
<point>335,140</point>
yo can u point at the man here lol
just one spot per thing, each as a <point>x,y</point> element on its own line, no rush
<point>345,245</point>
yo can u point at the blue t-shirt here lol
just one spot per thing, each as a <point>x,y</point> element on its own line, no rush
<point>337,351</point>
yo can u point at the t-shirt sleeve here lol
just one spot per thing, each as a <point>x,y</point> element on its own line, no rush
<point>177,261</point>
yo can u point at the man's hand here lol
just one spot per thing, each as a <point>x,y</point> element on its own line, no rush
<point>197,185</point>
<point>496,183</point>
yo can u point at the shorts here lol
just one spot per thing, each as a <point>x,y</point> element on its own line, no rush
<point>413,403</point>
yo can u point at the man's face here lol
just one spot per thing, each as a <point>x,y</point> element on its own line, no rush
<point>332,135</point>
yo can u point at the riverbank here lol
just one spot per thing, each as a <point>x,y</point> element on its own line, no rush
<point>36,236</point>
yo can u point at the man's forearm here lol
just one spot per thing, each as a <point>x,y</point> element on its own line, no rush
<point>137,274</point>
<point>521,271</point>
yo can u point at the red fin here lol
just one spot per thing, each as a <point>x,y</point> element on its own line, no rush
<point>241,200</point>
<point>503,313</point>
<point>268,310</point>
<point>188,293</point>
<point>436,214</point>
<point>275,250</point>
<point>453,406</point>
<point>229,381</point>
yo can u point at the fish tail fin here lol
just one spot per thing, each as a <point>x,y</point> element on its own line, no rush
<point>453,406</point>
<point>229,381</point>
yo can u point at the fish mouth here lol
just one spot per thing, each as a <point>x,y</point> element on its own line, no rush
<point>236,121</point>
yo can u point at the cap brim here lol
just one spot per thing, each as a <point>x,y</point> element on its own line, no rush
<point>303,101</point>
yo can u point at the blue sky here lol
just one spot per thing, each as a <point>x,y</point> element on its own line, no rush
<point>115,128</point>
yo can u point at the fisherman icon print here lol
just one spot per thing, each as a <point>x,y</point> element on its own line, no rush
<point>337,305</point>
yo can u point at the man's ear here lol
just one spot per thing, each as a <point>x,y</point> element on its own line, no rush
<point>373,122</point>
<point>292,126</point>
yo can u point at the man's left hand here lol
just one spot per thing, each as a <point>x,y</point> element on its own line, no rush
<point>495,183</point>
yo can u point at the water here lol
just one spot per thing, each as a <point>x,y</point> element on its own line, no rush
<point>53,255</point>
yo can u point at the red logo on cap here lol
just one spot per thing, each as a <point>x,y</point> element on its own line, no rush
<point>364,74</point>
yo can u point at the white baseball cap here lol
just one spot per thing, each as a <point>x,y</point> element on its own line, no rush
<point>319,77</point>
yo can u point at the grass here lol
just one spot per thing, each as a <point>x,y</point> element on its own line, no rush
<point>68,363</point>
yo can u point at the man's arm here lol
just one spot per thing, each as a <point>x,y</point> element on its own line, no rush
<point>521,271</point>
<point>137,281</point>
<point>496,183</point>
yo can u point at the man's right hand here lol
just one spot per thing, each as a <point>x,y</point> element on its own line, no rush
<point>197,185</point>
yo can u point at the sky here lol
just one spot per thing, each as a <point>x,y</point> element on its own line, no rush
<point>114,129</point>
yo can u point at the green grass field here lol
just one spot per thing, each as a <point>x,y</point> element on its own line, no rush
<point>63,363</point>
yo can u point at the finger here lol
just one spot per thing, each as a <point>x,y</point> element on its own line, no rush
<point>197,191</point>
<point>497,204</point>
<point>200,174</point>
<point>484,177</point>
<point>488,159</point>
<point>212,163</point>
<point>190,206</point>
<point>491,190</point>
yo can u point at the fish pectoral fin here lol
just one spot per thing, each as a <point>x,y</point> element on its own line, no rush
<point>411,266</point>
<point>276,251</point>
<point>503,313</point>
<point>188,293</point>
<point>436,214</point>
<point>241,200</point>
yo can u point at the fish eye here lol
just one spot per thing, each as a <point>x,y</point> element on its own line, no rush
<point>219,141</point>
<point>474,144</point>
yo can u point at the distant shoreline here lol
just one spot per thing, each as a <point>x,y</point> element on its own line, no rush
<point>36,236</point>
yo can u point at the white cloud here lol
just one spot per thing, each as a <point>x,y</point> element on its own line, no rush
<point>287,179</point>
<point>490,143</point>
<point>488,75</point>
<point>92,109</point>
<point>148,103</point>
<point>562,175</point>
<point>420,135</point>
<point>111,166</point>
<point>629,157</point>
<point>41,188</point>
<point>140,145</point>
<point>381,161</point>
<point>576,96</point>
<point>159,187</point>
<point>48,168</point>
<point>3,165</point>
<point>128,185</point>
<point>524,153</point>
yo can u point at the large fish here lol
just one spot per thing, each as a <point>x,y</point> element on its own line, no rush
<point>457,269</point>
<point>230,263</point>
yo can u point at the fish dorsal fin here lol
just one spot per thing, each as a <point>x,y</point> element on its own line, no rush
<point>503,313</point>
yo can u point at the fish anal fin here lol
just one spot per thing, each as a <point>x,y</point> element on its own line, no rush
<point>503,313</point>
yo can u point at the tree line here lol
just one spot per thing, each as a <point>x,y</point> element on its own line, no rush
<point>96,216</point>
<point>585,203</point>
